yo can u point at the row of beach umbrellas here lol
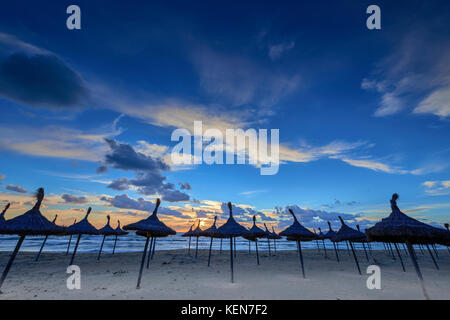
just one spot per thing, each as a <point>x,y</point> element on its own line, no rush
<point>396,229</point>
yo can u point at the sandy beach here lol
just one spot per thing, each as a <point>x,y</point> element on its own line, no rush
<point>175,275</point>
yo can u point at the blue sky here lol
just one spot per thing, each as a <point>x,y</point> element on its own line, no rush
<point>361,113</point>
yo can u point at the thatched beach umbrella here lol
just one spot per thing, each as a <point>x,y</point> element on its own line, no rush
<point>107,230</point>
<point>268,237</point>
<point>153,228</point>
<point>363,241</point>
<point>399,228</point>
<point>231,229</point>
<point>299,233</point>
<point>31,223</point>
<point>70,240</point>
<point>253,234</point>
<point>330,234</point>
<point>211,232</point>
<point>118,232</point>
<point>275,237</point>
<point>346,233</point>
<point>189,234</point>
<point>197,232</point>
<point>80,228</point>
<point>322,237</point>
<point>43,242</point>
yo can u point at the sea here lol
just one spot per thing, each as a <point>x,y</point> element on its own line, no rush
<point>134,243</point>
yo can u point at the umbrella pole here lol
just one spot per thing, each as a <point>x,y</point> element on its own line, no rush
<point>189,248</point>
<point>435,251</point>
<point>355,257</point>
<point>412,254</point>
<point>11,260</point>
<point>220,251</point>
<point>404,248</point>
<point>370,248</point>
<point>234,242</point>
<point>231,259</point>
<point>335,250</point>
<point>421,251</point>
<point>432,257</point>
<point>317,243</point>
<point>154,247</point>
<point>399,256</point>
<point>391,250</point>
<point>138,286</point>
<point>257,253</point>
<point>210,247</point>
<point>196,249</point>
<point>248,246</point>
<point>75,249</point>
<point>324,248</point>
<point>365,251</point>
<point>275,245</point>
<point>348,249</point>
<point>299,245</point>
<point>68,246</point>
<point>40,250</point>
<point>101,248</point>
<point>115,242</point>
<point>268,242</point>
<point>150,251</point>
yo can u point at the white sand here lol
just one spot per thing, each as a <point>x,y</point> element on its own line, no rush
<point>174,275</point>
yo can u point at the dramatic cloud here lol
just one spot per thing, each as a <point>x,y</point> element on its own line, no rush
<point>41,80</point>
<point>148,172</point>
<point>18,189</point>
<point>125,202</point>
<point>73,199</point>
<point>124,157</point>
<point>184,186</point>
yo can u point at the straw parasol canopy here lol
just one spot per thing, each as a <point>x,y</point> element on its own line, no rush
<point>346,233</point>
<point>189,234</point>
<point>297,231</point>
<point>107,230</point>
<point>153,227</point>
<point>118,231</point>
<point>231,229</point>
<point>197,232</point>
<point>84,226</point>
<point>32,222</point>
<point>398,227</point>
<point>253,234</point>
<point>80,228</point>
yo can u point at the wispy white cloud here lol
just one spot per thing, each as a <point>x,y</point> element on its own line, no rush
<point>437,188</point>
<point>410,77</point>
<point>276,51</point>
